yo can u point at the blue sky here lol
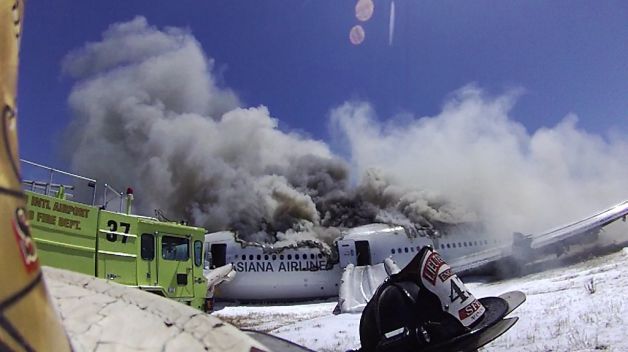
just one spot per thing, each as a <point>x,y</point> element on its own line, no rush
<point>295,57</point>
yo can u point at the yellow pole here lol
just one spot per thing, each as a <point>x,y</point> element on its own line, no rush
<point>28,321</point>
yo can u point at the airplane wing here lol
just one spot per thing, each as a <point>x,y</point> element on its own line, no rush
<point>468,263</point>
<point>592,224</point>
<point>530,246</point>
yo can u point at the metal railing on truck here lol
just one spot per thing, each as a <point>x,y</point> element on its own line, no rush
<point>50,188</point>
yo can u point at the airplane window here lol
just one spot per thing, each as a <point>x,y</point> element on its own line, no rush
<point>448,245</point>
<point>453,245</point>
<point>399,250</point>
<point>442,246</point>
<point>296,256</point>
<point>281,257</point>
<point>485,241</point>
<point>266,257</point>
<point>392,251</point>
<point>274,257</point>
<point>418,248</point>
<point>243,257</point>
<point>320,255</point>
<point>459,245</point>
<point>405,249</point>
<point>289,256</point>
<point>312,256</point>
<point>259,257</point>
<point>412,249</point>
<point>251,257</point>
<point>475,243</point>
<point>464,243</point>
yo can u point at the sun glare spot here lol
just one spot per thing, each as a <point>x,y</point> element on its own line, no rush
<point>356,36</point>
<point>364,10</point>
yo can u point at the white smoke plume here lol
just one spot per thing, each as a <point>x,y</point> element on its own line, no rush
<point>148,113</point>
<point>475,155</point>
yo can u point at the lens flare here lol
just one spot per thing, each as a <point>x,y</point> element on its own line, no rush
<point>356,36</point>
<point>391,23</point>
<point>364,10</point>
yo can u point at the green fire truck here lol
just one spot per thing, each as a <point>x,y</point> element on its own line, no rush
<point>165,258</point>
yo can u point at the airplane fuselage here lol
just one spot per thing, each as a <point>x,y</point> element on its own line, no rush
<point>266,273</point>
<point>304,272</point>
